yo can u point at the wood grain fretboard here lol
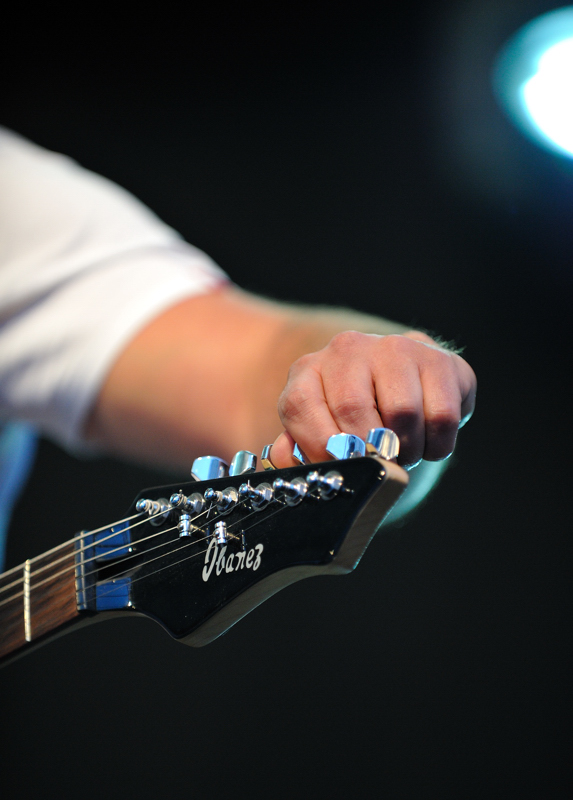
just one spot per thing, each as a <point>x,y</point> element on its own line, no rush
<point>36,599</point>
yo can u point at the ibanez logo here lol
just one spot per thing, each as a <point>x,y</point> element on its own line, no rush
<point>216,561</point>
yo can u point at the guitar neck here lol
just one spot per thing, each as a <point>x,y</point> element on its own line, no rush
<point>201,560</point>
<point>37,600</point>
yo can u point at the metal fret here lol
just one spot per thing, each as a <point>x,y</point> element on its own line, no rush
<point>27,616</point>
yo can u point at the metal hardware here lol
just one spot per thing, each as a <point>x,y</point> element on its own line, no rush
<point>383,442</point>
<point>220,533</point>
<point>259,497</point>
<point>293,491</point>
<point>158,510</point>
<point>195,503</point>
<point>223,501</point>
<point>266,457</point>
<point>345,445</point>
<point>208,468</point>
<point>184,526</point>
<point>243,461</point>
<point>299,455</point>
<point>328,485</point>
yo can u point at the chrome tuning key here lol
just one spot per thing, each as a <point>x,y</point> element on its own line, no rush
<point>244,461</point>
<point>299,455</point>
<point>208,468</point>
<point>383,442</point>
<point>266,458</point>
<point>345,445</point>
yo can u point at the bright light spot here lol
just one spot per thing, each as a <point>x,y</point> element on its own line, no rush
<point>548,96</point>
<point>534,79</point>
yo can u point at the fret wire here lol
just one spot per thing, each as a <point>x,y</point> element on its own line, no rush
<point>82,549</point>
<point>135,580</point>
<point>195,555</point>
<point>26,592</point>
<point>81,536</point>
<point>76,551</point>
<point>94,558</point>
<point>187,544</point>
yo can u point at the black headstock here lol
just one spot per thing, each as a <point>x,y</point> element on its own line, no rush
<point>203,554</point>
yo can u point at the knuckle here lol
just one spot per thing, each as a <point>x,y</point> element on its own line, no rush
<point>349,408</point>
<point>294,404</point>
<point>404,416</point>
<point>442,420</point>
<point>302,364</point>
<point>346,341</point>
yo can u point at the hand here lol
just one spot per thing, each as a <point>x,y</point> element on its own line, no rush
<point>359,381</point>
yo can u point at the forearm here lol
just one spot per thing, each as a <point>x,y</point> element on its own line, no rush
<point>205,376</point>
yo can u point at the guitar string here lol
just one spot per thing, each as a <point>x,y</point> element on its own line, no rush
<point>122,547</point>
<point>79,537</point>
<point>185,545</point>
<point>89,560</point>
<point>148,561</point>
<point>194,555</point>
<point>81,549</point>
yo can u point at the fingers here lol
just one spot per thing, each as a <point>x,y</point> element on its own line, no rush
<point>409,384</point>
<point>304,412</point>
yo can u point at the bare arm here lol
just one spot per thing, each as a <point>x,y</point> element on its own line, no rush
<point>205,376</point>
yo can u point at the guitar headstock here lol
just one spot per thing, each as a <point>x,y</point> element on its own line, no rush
<point>200,555</point>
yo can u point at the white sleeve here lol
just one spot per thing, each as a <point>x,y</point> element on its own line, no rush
<point>83,267</point>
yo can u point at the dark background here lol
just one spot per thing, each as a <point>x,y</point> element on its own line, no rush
<point>353,159</point>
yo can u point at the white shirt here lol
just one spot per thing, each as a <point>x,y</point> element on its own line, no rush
<point>83,267</point>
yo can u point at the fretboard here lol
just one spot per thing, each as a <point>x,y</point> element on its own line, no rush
<point>36,599</point>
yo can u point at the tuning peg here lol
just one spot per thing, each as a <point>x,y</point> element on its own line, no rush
<point>345,445</point>
<point>207,468</point>
<point>383,442</point>
<point>266,457</point>
<point>299,455</point>
<point>243,461</point>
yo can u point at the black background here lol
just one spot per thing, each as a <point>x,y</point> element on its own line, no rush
<point>352,159</point>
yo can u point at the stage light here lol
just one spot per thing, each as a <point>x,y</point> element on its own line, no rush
<point>533,79</point>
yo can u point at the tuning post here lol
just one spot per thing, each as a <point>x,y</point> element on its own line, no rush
<point>195,503</point>
<point>292,491</point>
<point>259,496</point>
<point>328,485</point>
<point>158,510</point>
<point>222,501</point>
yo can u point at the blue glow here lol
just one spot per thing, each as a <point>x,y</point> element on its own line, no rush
<point>534,80</point>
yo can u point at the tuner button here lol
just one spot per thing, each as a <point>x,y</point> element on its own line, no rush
<point>266,457</point>
<point>243,461</point>
<point>299,455</point>
<point>384,443</point>
<point>345,445</point>
<point>207,468</point>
